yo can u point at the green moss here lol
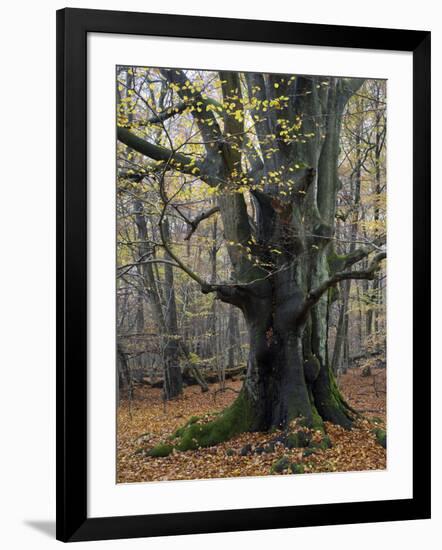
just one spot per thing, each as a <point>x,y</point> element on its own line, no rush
<point>309,452</point>
<point>280,465</point>
<point>180,431</point>
<point>162,449</point>
<point>301,421</point>
<point>291,441</point>
<point>318,423</point>
<point>381,437</point>
<point>324,444</point>
<point>315,421</point>
<point>298,439</point>
<point>336,261</point>
<point>296,468</point>
<point>235,419</point>
<point>333,294</point>
<point>331,404</point>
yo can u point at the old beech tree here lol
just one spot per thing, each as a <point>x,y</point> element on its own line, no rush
<point>267,147</point>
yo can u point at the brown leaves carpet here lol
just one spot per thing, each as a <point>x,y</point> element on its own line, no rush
<point>147,421</point>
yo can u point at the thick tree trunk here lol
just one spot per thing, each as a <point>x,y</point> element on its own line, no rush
<point>285,378</point>
<point>275,385</point>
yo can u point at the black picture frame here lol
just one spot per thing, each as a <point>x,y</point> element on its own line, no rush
<point>73,25</point>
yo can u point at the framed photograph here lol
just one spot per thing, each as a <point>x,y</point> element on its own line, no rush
<point>243,302</point>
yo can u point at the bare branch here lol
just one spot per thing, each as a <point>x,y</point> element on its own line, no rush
<point>198,219</point>
<point>315,294</point>
<point>128,267</point>
<point>362,252</point>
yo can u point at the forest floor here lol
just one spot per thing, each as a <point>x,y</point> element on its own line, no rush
<point>147,421</point>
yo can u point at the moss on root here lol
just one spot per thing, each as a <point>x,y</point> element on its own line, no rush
<point>297,468</point>
<point>381,437</point>
<point>330,403</point>
<point>234,420</point>
<point>298,439</point>
<point>162,449</point>
<point>318,423</point>
<point>315,422</point>
<point>180,431</point>
<point>324,444</point>
<point>309,452</point>
<point>280,465</point>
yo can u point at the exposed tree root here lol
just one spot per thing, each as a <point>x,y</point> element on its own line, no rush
<point>234,420</point>
<point>330,403</point>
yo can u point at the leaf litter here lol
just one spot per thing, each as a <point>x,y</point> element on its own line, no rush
<point>147,421</point>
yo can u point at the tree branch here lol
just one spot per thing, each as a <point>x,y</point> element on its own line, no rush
<point>204,117</point>
<point>128,267</point>
<point>349,86</point>
<point>198,219</point>
<point>361,253</point>
<point>177,161</point>
<point>315,294</point>
<point>180,107</point>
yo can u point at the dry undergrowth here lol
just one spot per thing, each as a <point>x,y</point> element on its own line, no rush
<point>148,421</point>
